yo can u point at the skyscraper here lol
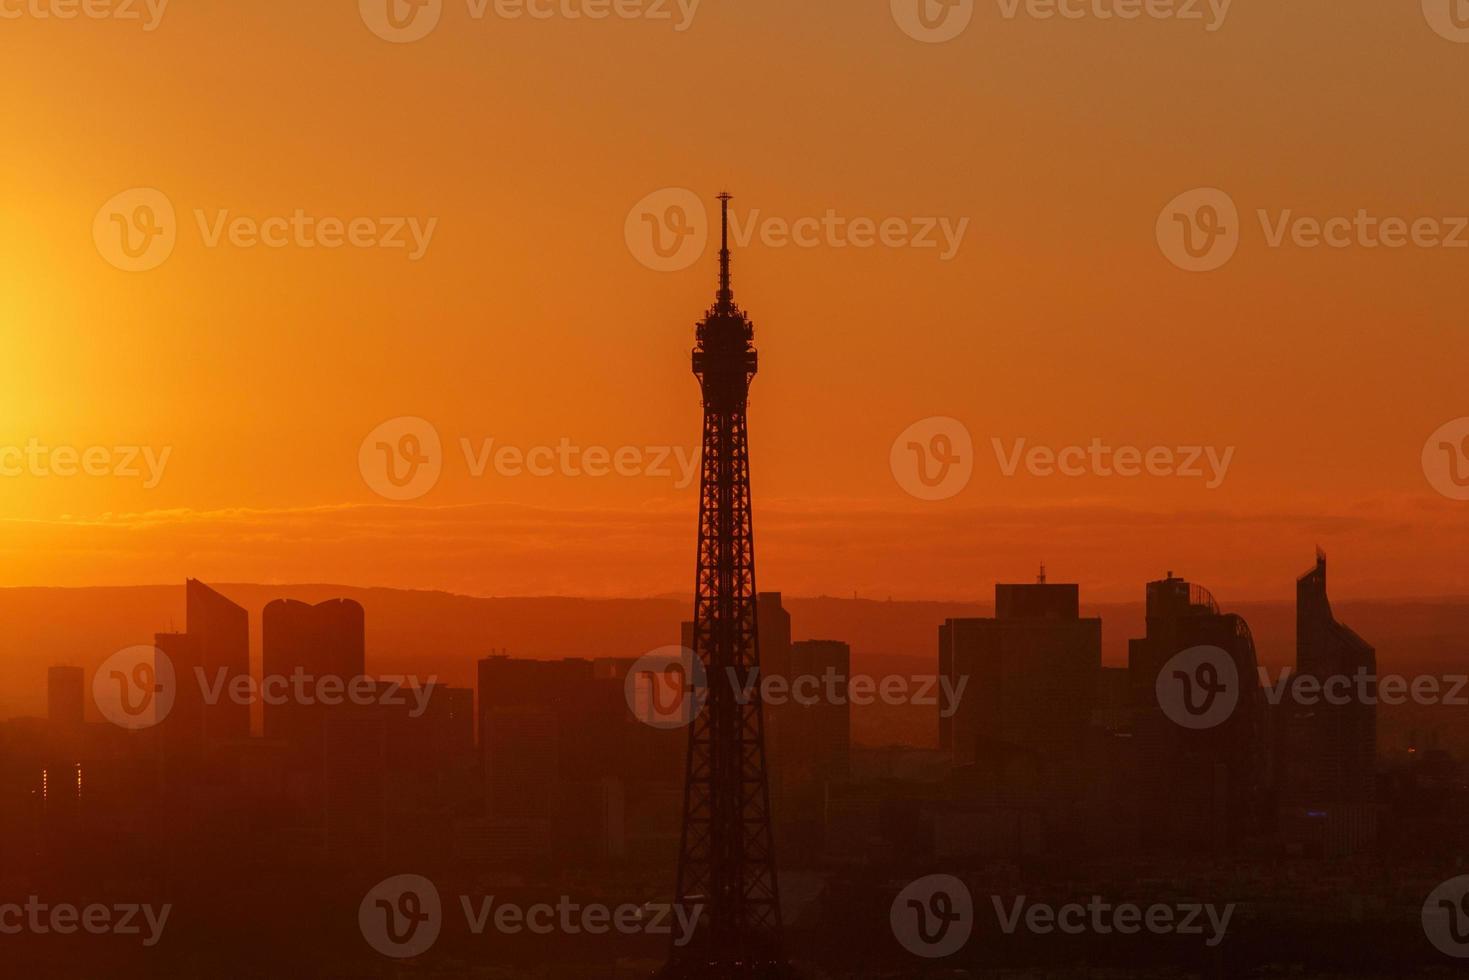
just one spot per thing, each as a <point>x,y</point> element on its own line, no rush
<point>1203,790</point>
<point>1328,785</point>
<point>1029,679</point>
<point>324,640</point>
<point>221,631</point>
<point>825,727</point>
<point>65,701</point>
<point>726,861</point>
<point>354,744</point>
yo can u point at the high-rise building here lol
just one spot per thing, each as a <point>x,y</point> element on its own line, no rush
<point>316,642</point>
<point>541,740</point>
<point>811,741</point>
<point>1026,683</point>
<point>1203,790</point>
<point>207,661</point>
<point>775,635</point>
<point>782,743</point>
<point>182,730</point>
<point>355,784</point>
<point>1328,783</point>
<point>825,726</point>
<point>65,701</point>
<point>223,633</point>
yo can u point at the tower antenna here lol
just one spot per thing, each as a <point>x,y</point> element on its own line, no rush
<point>726,293</point>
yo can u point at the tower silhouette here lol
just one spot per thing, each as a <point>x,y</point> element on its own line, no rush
<point>726,855</point>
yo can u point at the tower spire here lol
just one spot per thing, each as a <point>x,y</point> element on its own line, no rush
<point>726,293</point>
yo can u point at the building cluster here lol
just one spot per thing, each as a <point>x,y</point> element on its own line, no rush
<point>1055,753</point>
<point>1045,753</point>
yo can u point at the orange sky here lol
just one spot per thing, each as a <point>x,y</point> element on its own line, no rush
<point>530,321</point>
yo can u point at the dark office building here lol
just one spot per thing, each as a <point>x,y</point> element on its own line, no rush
<point>775,662</point>
<point>355,786</point>
<point>324,640</point>
<point>65,701</point>
<point>813,749</point>
<point>448,722</point>
<point>1202,790</point>
<point>1329,774</point>
<point>539,742</point>
<point>182,730</point>
<point>823,730</point>
<point>213,651</point>
<point>1018,735</point>
<point>775,634</point>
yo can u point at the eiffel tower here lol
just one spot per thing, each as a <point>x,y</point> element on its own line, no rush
<point>726,861</point>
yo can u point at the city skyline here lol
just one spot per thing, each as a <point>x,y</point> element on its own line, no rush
<point>1085,375</point>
